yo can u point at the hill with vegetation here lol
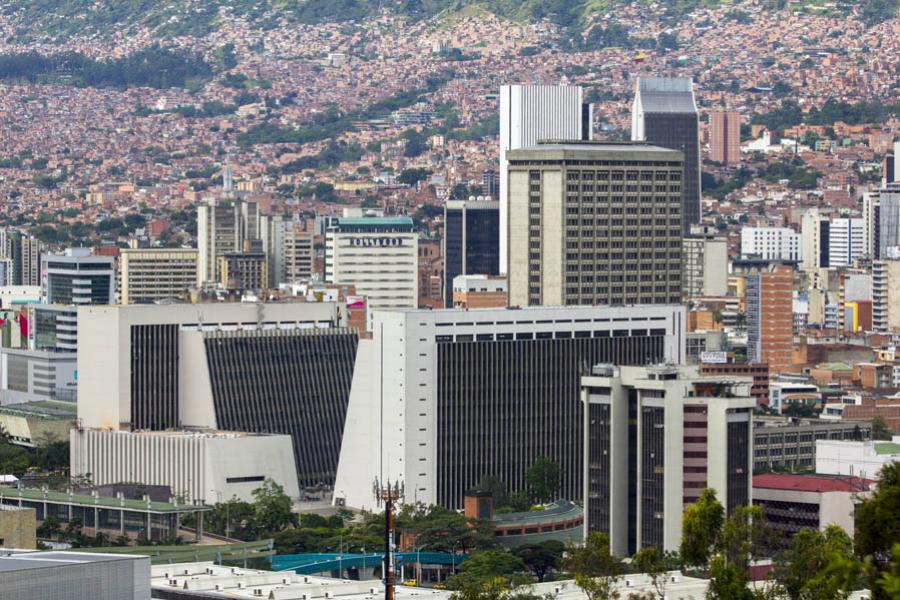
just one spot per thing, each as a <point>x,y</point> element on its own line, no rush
<point>64,18</point>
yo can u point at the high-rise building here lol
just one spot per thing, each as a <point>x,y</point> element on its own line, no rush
<point>243,270</point>
<point>771,243</point>
<point>887,218</point>
<point>655,438</point>
<point>770,331</point>
<point>705,266</point>
<point>376,255</point>
<point>257,368</point>
<point>77,277</point>
<point>871,226</point>
<point>896,161</point>
<point>814,237</point>
<point>471,241</point>
<point>490,185</point>
<point>664,114</point>
<point>218,231</point>
<point>725,137</point>
<point>528,114</point>
<point>25,253</point>
<point>594,223</point>
<point>147,275</point>
<point>442,398</point>
<point>886,294</point>
<point>298,252</point>
<point>846,241</point>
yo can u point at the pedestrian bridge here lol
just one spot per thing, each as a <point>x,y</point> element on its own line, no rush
<point>310,564</point>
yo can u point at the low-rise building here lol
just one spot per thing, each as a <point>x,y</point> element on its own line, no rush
<point>855,458</point>
<point>780,443</point>
<point>793,502</point>
<point>479,291</point>
<point>74,576</point>
<point>212,466</point>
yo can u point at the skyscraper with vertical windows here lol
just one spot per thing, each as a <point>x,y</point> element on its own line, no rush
<point>770,331</point>
<point>528,114</point>
<point>594,223</point>
<point>442,398</point>
<point>664,113</point>
<point>654,438</point>
<point>471,241</point>
<point>725,137</point>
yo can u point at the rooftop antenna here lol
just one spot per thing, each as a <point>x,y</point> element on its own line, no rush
<point>389,493</point>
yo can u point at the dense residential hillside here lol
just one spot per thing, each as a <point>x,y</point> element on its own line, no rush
<point>63,18</point>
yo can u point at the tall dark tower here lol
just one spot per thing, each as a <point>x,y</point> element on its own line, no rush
<point>664,113</point>
<point>471,241</point>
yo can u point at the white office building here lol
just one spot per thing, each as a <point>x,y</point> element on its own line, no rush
<point>846,241</point>
<point>529,113</point>
<point>771,243</point>
<point>379,256</point>
<point>655,438</point>
<point>442,398</point>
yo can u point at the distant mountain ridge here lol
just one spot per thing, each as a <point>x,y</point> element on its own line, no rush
<point>65,18</point>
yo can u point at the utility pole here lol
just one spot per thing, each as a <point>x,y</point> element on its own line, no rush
<point>389,494</point>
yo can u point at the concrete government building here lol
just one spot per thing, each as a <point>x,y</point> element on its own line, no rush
<point>594,223</point>
<point>280,368</point>
<point>441,399</point>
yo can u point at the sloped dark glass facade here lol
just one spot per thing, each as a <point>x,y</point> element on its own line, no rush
<point>294,382</point>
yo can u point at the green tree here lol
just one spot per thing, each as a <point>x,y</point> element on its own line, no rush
<point>271,508</point>
<point>807,569</point>
<point>880,429</point>
<point>701,523</point>
<point>544,479</point>
<point>877,527</point>
<point>441,530</point>
<point>656,565</point>
<point>495,589</point>
<point>727,581</point>
<point>498,490</point>
<point>541,558</point>
<point>489,567</point>
<point>594,568</point>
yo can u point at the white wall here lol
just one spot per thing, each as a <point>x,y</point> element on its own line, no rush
<point>195,465</point>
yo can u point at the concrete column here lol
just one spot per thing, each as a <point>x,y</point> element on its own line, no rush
<point>149,530</point>
<point>122,521</point>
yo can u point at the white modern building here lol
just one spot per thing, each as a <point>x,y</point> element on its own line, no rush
<point>77,277</point>
<point>529,113</point>
<point>856,459</point>
<point>771,243</point>
<point>442,398</point>
<point>258,368</point>
<point>28,375</point>
<point>199,466</point>
<point>846,241</point>
<point>657,437</point>
<point>704,266</point>
<point>379,256</point>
